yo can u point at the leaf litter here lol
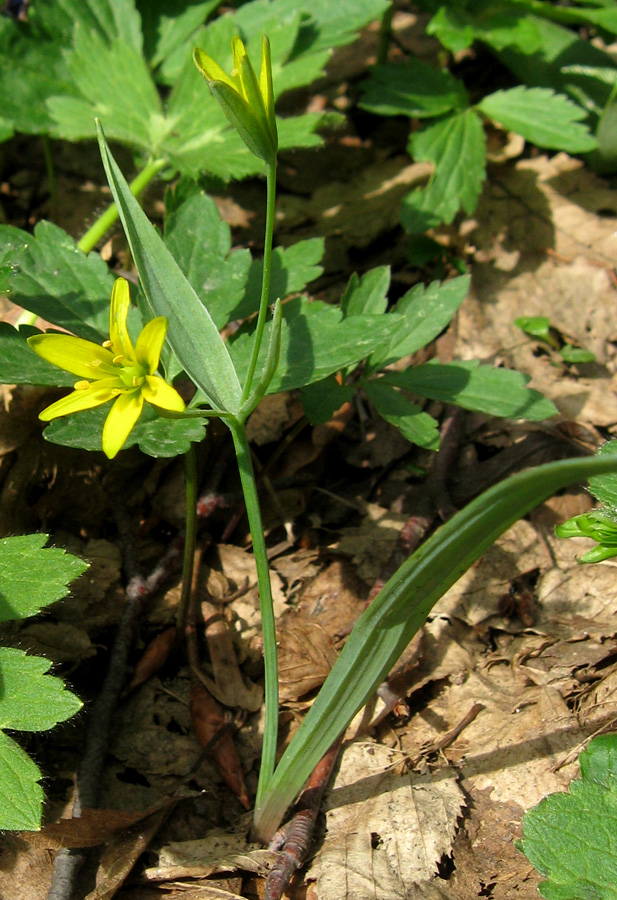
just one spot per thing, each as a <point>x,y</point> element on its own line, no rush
<point>409,813</point>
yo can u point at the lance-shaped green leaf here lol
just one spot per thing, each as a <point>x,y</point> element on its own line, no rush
<point>192,334</point>
<point>399,610</point>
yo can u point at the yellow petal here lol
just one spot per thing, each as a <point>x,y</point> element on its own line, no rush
<point>211,69</point>
<point>73,354</point>
<point>80,400</point>
<point>118,312</point>
<point>150,343</point>
<point>120,422</point>
<point>159,393</point>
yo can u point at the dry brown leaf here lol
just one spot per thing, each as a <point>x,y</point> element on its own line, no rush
<point>306,655</point>
<point>386,832</point>
<point>371,544</point>
<point>219,851</point>
<point>227,685</point>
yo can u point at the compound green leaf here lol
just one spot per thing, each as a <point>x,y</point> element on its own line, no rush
<point>367,295</point>
<point>321,399</point>
<point>570,837</point>
<point>422,314</point>
<point>414,89</point>
<point>32,576</point>
<point>168,26</point>
<point>496,392</point>
<point>457,147</point>
<point>48,275</point>
<point>155,435</point>
<point>415,425</point>
<point>541,116</point>
<point>457,29</point>
<point>292,269</point>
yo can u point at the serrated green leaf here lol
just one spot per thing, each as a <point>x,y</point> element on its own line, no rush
<point>457,147</point>
<point>457,29</point>
<point>102,73</point>
<point>569,837</point>
<point>110,19</point>
<point>217,274</point>
<point>367,295</point>
<point>32,576</point>
<point>31,699</point>
<point>541,116</point>
<point>315,342</point>
<point>192,334</point>
<point>414,89</point>
<point>21,795</point>
<point>415,425</point>
<point>168,26</point>
<point>51,277</point>
<point>155,435</point>
<point>496,392</point>
<point>291,270</point>
<point>20,365</point>
<point>422,314</point>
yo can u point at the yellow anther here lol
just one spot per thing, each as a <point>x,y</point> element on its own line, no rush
<point>117,359</point>
<point>107,344</point>
<point>81,385</point>
<point>136,381</point>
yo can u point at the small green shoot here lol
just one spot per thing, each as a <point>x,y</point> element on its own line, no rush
<point>601,524</point>
<point>540,328</point>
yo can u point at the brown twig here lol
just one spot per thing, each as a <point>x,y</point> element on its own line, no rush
<point>295,838</point>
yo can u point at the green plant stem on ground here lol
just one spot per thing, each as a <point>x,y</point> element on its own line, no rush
<point>271,687</point>
<point>265,277</point>
<point>190,535</point>
<point>94,234</point>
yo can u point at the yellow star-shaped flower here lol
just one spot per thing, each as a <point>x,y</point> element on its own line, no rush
<point>116,371</point>
<point>247,102</point>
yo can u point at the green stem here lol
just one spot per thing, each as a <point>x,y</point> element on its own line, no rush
<point>94,234</point>
<point>265,276</point>
<point>249,489</point>
<point>190,534</point>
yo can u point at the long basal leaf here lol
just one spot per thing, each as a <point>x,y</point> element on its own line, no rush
<point>388,624</point>
<point>192,334</point>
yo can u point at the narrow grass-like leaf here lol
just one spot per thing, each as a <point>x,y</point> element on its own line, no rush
<point>192,334</point>
<point>399,610</point>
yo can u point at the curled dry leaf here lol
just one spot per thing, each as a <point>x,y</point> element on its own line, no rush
<point>209,724</point>
<point>228,686</point>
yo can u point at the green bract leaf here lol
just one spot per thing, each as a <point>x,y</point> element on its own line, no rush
<point>422,314</point>
<point>157,436</point>
<point>367,295</point>
<point>496,392</point>
<point>192,334</point>
<point>457,147</point>
<point>569,837</point>
<point>315,342</point>
<point>417,426</point>
<point>541,116</point>
<point>400,609</point>
<point>413,89</point>
<point>33,576</point>
<point>51,277</point>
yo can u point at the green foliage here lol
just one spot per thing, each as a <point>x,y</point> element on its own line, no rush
<point>32,576</point>
<point>600,525</point>
<point>540,328</point>
<point>565,102</point>
<point>72,62</point>
<point>570,837</point>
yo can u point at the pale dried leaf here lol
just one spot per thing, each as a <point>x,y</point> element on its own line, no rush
<point>386,832</point>
<point>219,851</point>
<point>306,655</point>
